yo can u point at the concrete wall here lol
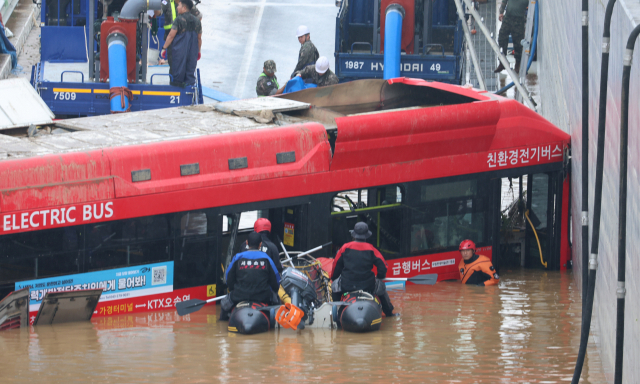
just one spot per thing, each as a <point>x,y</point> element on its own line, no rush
<point>560,87</point>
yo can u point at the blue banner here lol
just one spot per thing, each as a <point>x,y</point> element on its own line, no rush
<point>120,283</point>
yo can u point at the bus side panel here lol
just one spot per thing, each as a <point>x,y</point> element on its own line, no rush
<point>221,159</point>
<point>417,134</point>
<point>54,180</point>
<point>444,264</point>
<point>150,303</point>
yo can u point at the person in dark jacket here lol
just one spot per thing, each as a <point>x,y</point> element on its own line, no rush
<point>513,23</point>
<point>251,276</point>
<point>353,268</point>
<point>182,45</point>
<point>263,227</point>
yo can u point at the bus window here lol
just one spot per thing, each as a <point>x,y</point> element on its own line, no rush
<point>246,221</point>
<point>195,250</point>
<point>447,213</point>
<point>349,200</point>
<point>45,253</point>
<point>114,244</point>
<point>380,207</point>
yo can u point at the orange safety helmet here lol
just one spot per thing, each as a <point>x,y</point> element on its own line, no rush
<point>262,224</point>
<point>467,244</point>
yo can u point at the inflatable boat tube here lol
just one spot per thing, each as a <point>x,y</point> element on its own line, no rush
<point>250,318</point>
<point>359,314</point>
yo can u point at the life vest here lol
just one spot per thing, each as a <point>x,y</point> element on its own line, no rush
<point>274,80</point>
<point>173,15</point>
<point>481,265</point>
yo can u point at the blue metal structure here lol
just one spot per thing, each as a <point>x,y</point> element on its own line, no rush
<point>439,38</point>
<point>118,72</point>
<point>392,38</point>
<point>67,77</point>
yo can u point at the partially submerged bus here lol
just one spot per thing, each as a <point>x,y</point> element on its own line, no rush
<point>150,205</point>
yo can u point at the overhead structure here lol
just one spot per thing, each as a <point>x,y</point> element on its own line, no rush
<point>398,38</point>
<point>94,60</point>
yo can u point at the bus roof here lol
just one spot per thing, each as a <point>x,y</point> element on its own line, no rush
<point>350,125</point>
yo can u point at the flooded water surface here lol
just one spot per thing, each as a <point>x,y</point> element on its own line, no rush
<point>526,330</point>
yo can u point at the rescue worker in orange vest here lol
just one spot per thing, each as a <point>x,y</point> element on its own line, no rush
<point>353,269</point>
<point>476,269</point>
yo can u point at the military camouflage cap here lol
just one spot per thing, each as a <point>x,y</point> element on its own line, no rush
<point>270,65</point>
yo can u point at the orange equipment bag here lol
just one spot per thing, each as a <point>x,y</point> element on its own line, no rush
<point>289,316</point>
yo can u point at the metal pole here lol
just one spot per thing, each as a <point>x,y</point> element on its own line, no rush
<point>523,91</point>
<point>145,46</point>
<point>90,39</point>
<point>472,49</point>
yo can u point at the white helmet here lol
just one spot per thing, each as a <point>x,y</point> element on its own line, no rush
<point>302,30</point>
<point>322,65</point>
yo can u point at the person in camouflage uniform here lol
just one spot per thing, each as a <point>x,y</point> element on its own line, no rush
<point>308,53</point>
<point>513,23</point>
<point>319,74</point>
<point>267,84</point>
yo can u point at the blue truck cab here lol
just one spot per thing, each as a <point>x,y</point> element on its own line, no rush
<point>437,41</point>
<point>69,77</point>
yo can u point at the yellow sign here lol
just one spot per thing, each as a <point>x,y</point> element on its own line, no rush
<point>211,290</point>
<point>288,234</point>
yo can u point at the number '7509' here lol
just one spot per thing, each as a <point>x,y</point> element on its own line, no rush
<point>64,96</point>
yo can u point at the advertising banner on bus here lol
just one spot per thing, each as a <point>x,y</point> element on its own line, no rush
<point>120,283</point>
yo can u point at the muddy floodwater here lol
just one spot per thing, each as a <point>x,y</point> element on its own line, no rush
<point>526,330</point>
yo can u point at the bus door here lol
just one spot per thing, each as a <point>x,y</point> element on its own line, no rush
<point>288,225</point>
<point>531,222</point>
<point>543,221</point>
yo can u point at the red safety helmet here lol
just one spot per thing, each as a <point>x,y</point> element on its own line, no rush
<point>467,244</point>
<point>262,224</point>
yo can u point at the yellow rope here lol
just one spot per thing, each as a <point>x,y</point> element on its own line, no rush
<point>526,214</point>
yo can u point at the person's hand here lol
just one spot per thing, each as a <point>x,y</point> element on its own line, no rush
<point>163,53</point>
<point>199,55</point>
<point>501,16</point>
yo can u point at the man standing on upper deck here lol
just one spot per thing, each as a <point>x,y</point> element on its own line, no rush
<point>353,269</point>
<point>513,23</point>
<point>183,44</point>
<point>308,54</point>
<point>251,276</point>
<point>168,10</point>
<point>476,269</point>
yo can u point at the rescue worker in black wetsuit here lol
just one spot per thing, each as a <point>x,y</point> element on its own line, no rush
<point>353,269</point>
<point>251,276</point>
<point>476,269</point>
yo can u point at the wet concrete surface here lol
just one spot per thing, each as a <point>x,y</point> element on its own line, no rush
<point>238,36</point>
<point>526,330</point>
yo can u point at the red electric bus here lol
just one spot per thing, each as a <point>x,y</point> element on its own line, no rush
<point>149,205</point>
